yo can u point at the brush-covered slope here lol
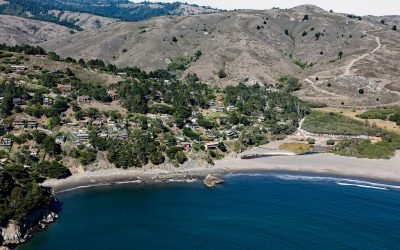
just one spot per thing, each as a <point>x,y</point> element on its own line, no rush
<point>17,30</point>
<point>260,45</point>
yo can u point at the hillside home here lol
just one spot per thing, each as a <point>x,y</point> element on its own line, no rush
<point>122,74</point>
<point>83,99</point>
<point>17,68</point>
<point>211,145</point>
<point>97,123</point>
<point>48,101</point>
<point>5,142</point>
<point>64,87</point>
<point>84,123</point>
<point>34,151</point>
<point>18,101</point>
<point>112,95</point>
<point>82,136</point>
<point>32,124</point>
<point>186,145</point>
<point>218,109</point>
<point>61,139</point>
<point>119,136</point>
<point>231,108</point>
<point>17,123</point>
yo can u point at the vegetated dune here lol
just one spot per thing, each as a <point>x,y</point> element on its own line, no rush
<point>17,30</point>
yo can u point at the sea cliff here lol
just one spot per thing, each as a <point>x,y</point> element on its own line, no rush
<point>14,232</point>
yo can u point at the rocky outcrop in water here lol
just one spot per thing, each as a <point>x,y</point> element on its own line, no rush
<point>15,233</point>
<point>211,181</point>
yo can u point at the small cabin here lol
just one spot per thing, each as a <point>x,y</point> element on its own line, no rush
<point>84,99</point>
<point>48,101</point>
<point>211,145</point>
<point>32,124</point>
<point>18,101</point>
<point>18,123</point>
<point>112,95</point>
<point>5,142</point>
<point>17,68</point>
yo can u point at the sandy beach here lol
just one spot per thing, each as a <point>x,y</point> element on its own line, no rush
<point>326,164</point>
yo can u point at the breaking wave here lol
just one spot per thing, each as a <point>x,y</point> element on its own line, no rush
<point>336,180</point>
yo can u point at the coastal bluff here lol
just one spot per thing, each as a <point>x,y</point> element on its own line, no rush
<point>17,232</point>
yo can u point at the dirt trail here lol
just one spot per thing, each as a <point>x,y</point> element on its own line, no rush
<point>349,66</point>
<point>312,84</point>
<point>352,62</point>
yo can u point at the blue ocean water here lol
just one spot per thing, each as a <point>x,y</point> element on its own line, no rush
<point>250,211</point>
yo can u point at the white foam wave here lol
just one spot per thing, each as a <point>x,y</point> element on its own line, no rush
<point>128,182</point>
<point>84,186</point>
<point>336,180</point>
<point>182,180</point>
<point>361,186</point>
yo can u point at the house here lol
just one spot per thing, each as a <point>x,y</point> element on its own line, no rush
<point>103,135</point>
<point>230,133</point>
<point>212,134</point>
<point>61,139</point>
<point>16,68</point>
<point>165,117</point>
<point>196,113</point>
<point>211,145</point>
<point>84,99</point>
<point>84,123</point>
<point>231,108</point>
<point>54,72</point>
<point>119,136</point>
<point>180,138</point>
<point>64,87</point>
<point>82,136</point>
<point>32,124</point>
<point>186,145</point>
<point>112,95</point>
<point>18,101</point>
<point>261,118</point>
<point>122,74</point>
<point>218,109</point>
<point>278,109</point>
<point>97,123</point>
<point>5,142</point>
<point>48,101</point>
<point>34,151</point>
<point>152,116</point>
<point>18,123</point>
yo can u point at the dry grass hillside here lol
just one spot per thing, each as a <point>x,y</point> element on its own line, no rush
<point>16,30</point>
<point>83,20</point>
<point>260,46</point>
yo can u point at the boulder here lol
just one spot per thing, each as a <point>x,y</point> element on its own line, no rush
<point>211,181</point>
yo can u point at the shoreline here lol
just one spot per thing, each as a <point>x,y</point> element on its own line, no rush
<point>387,171</point>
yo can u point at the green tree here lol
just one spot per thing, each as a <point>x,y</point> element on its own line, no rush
<point>180,157</point>
<point>53,56</point>
<point>222,74</point>
<point>50,146</point>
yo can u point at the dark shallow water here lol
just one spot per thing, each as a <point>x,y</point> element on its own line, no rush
<point>251,211</point>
